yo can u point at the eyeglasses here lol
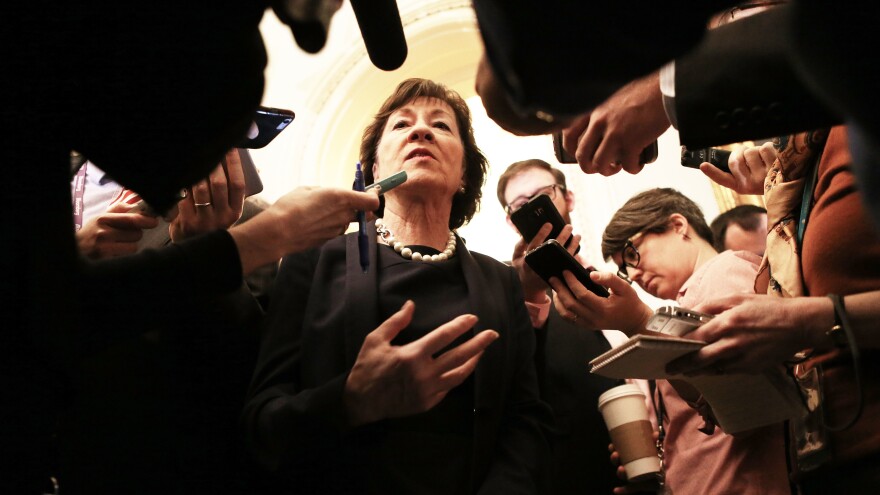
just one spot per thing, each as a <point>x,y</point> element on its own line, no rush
<point>520,201</point>
<point>629,257</point>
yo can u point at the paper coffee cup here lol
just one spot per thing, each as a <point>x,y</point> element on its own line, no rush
<point>626,416</point>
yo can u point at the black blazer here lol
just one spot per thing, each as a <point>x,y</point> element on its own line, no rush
<point>295,419</point>
<point>580,447</point>
<point>741,82</point>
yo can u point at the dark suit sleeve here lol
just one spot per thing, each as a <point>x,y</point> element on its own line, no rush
<point>286,425</point>
<point>565,57</point>
<point>162,288</point>
<point>523,450</point>
<point>740,83</point>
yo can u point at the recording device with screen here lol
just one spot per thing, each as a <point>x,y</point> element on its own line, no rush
<point>550,259</point>
<point>648,155</point>
<point>715,156</point>
<point>268,124</point>
<point>673,320</point>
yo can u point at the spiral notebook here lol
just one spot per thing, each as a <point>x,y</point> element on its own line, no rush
<point>740,402</point>
<point>643,356</point>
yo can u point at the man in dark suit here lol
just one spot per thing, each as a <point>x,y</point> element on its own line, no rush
<point>118,84</point>
<point>580,456</point>
<point>800,66</point>
<point>158,412</point>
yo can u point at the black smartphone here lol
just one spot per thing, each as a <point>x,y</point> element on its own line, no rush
<point>715,156</point>
<point>533,215</point>
<point>648,155</point>
<point>268,123</point>
<point>550,259</point>
<point>252,182</point>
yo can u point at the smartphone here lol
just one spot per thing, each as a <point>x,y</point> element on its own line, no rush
<point>267,125</point>
<point>648,155</point>
<point>533,215</point>
<point>673,320</point>
<point>550,259</point>
<point>715,156</point>
<point>388,183</point>
<point>252,182</point>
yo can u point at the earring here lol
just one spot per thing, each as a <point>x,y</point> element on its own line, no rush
<point>462,189</point>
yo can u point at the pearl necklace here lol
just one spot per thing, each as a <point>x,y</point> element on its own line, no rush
<point>388,238</point>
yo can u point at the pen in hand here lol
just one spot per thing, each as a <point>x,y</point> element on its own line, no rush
<point>363,241</point>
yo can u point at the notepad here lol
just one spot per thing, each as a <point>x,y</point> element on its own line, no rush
<point>643,356</point>
<point>740,402</point>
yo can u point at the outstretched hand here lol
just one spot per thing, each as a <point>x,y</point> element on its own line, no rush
<point>621,310</point>
<point>115,232</point>
<point>301,219</point>
<point>213,203</point>
<point>752,333</point>
<point>611,137</point>
<point>392,381</point>
<point>748,168</point>
<point>533,285</point>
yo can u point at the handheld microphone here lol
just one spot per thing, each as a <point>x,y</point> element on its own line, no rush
<point>379,22</point>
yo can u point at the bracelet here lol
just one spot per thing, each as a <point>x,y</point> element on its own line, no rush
<point>837,333</point>
<point>842,332</point>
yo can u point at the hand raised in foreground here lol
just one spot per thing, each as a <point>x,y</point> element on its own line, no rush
<point>392,381</point>
<point>115,232</point>
<point>301,219</point>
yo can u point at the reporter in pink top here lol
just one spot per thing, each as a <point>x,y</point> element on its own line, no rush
<point>660,240</point>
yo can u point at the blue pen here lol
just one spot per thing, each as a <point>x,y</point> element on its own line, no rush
<point>363,241</point>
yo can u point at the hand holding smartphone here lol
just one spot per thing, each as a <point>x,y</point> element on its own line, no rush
<point>533,215</point>
<point>550,259</point>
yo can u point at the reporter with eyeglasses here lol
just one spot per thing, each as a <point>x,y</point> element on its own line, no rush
<point>660,240</point>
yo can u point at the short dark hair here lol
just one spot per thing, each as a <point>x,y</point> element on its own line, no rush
<point>522,166</point>
<point>464,205</point>
<point>649,212</point>
<point>746,216</point>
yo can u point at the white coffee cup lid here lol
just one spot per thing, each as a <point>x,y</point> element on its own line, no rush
<point>618,392</point>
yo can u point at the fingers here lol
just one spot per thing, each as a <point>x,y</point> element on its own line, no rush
<point>457,376</point>
<point>718,176</point>
<point>445,334</point>
<point>128,222</point>
<point>219,188</point>
<point>611,281</point>
<point>390,328</point>
<point>587,146</point>
<point>612,156</point>
<point>235,178</point>
<point>575,243</point>
<point>768,153</point>
<point>200,194</point>
<point>365,201</point>
<point>519,249</point>
<point>571,136</point>
<point>719,305</point>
